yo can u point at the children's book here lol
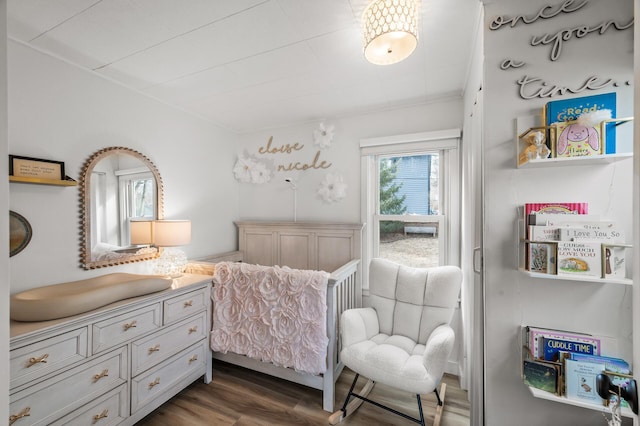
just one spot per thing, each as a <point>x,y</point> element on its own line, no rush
<point>568,110</point>
<point>614,262</point>
<point>579,233</point>
<point>580,380</point>
<point>540,375</point>
<point>544,233</point>
<point>550,219</point>
<point>536,335</point>
<point>579,258</point>
<point>542,258</point>
<point>556,208</point>
<point>617,369</point>
<point>553,347</point>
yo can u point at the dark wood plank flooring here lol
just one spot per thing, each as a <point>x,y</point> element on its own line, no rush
<point>241,397</point>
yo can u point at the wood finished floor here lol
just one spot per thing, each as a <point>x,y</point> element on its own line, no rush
<point>241,397</point>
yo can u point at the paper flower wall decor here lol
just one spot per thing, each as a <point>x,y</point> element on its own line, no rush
<point>332,188</point>
<point>249,170</point>
<point>323,136</point>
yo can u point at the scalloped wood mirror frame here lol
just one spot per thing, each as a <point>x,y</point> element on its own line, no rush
<point>87,261</point>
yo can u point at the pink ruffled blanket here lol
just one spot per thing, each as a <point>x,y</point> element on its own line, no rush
<point>271,313</point>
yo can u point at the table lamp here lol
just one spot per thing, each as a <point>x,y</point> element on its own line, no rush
<point>167,234</point>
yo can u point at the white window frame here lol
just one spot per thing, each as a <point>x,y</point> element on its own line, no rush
<point>447,144</point>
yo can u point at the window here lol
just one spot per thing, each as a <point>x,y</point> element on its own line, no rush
<point>411,199</point>
<point>137,198</point>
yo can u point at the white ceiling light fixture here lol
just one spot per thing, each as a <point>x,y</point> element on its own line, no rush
<point>390,29</point>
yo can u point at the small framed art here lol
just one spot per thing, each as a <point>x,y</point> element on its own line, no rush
<point>35,168</point>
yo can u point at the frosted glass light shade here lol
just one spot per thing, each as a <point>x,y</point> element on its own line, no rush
<point>141,232</point>
<point>390,29</point>
<point>171,233</point>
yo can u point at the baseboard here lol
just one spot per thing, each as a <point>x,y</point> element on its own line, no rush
<point>452,368</point>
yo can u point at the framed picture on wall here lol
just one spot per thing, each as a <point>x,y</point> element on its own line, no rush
<point>35,168</point>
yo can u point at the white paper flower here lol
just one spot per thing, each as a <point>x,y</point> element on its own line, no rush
<point>323,136</point>
<point>260,173</point>
<point>242,169</point>
<point>249,170</point>
<point>332,188</point>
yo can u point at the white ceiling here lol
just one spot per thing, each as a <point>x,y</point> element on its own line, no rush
<point>251,64</point>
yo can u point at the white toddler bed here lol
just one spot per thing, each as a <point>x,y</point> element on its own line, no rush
<point>235,304</point>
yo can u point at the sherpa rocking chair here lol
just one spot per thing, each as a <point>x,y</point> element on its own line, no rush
<point>404,339</point>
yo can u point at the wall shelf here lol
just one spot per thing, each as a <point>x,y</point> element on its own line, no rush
<point>623,281</point>
<point>538,393</point>
<point>39,181</point>
<point>571,161</point>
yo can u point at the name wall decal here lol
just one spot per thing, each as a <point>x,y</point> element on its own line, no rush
<point>286,149</point>
<point>535,87</point>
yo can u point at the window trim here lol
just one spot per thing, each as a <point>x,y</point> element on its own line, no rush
<point>447,144</point>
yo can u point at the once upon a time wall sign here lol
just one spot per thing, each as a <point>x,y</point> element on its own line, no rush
<point>530,87</point>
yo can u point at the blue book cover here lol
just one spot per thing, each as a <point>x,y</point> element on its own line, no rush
<point>552,347</point>
<point>564,110</point>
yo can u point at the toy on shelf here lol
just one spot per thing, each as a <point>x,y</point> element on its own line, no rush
<point>535,149</point>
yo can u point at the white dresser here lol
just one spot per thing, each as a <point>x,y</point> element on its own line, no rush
<point>113,365</point>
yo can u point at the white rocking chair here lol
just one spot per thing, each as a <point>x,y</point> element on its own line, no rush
<point>404,339</point>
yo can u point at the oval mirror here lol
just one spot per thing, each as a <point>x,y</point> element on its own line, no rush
<point>118,186</point>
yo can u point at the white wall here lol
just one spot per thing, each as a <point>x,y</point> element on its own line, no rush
<point>512,298</point>
<point>4,222</point>
<point>274,200</point>
<point>61,112</point>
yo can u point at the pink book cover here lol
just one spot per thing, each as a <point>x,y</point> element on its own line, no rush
<point>556,208</point>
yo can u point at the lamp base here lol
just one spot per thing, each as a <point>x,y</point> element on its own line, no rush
<point>171,262</point>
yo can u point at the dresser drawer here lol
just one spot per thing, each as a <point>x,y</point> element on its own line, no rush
<point>58,396</point>
<point>107,410</point>
<point>122,328</point>
<point>184,305</point>
<point>150,350</point>
<point>166,376</point>
<point>38,359</point>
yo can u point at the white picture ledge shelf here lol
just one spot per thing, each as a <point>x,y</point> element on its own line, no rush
<point>582,278</point>
<point>582,161</point>
<point>538,393</point>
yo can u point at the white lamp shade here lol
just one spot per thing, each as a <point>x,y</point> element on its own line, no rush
<point>390,30</point>
<point>141,232</point>
<point>171,233</point>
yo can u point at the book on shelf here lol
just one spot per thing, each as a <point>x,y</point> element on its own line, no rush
<point>544,233</point>
<point>580,233</point>
<point>552,348</point>
<point>579,258</point>
<point>564,220</point>
<point>614,261</point>
<point>541,375</point>
<point>580,380</point>
<point>542,257</point>
<point>560,113</point>
<point>534,337</point>
<point>618,370</point>
<point>556,208</point>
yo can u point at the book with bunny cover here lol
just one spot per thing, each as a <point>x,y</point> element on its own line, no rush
<point>580,140</point>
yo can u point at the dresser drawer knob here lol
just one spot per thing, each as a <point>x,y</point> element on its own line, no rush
<point>155,382</point>
<point>155,348</point>
<point>15,417</point>
<point>132,324</point>
<point>193,358</point>
<point>37,360</point>
<point>188,303</point>
<point>104,373</point>
<point>193,329</point>
<point>102,415</point>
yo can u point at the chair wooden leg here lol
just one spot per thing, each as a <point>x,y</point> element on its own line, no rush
<point>440,405</point>
<point>350,407</point>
